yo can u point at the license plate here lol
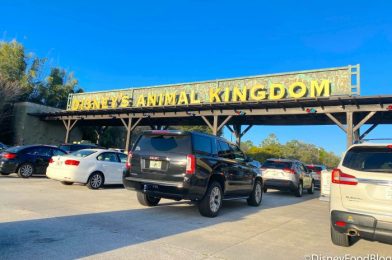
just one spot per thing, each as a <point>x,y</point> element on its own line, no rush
<point>388,193</point>
<point>155,164</point>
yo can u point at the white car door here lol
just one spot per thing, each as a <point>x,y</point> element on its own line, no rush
<point>111,167</point>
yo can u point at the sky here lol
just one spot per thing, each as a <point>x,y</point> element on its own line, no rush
<point>121,44</point>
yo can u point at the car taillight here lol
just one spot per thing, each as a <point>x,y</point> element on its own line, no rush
<point>318,172</point>
<point>9,155</point>
<point>289,170</point>
<point>51,160</point>
<point>128,163</point>
<point>339,177</point>
<point>190,164</point>
<point>340,223</point>
<point>71,162</point>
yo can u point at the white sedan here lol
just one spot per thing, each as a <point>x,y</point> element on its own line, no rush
<point>93,167</point>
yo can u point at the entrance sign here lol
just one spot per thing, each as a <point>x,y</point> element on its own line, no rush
<point>342,81</point>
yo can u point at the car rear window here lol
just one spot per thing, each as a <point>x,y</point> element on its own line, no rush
<point>164,143</point>
<point>373,159</point>
<point>314,168</point>
<point>82,153</point>
<point>202,144</point>
<point>277,165</point>
<point>15,149</point>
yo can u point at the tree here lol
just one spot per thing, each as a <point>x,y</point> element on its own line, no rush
<point>55,89</point>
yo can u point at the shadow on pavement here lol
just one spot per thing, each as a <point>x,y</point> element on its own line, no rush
<point>84,235</point>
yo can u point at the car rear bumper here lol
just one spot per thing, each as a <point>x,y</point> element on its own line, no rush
<point>8,167</point>
<point>367,227</point>
<point>163,189</point>
<point>280,184</point>
<point>59,174</point>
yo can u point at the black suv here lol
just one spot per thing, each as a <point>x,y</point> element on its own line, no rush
<point>192,166</point>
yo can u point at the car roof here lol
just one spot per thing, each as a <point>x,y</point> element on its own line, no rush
<point>370,144</point>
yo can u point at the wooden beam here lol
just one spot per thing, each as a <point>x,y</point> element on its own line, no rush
<point>224,123</point>
<point>136,123</point>
<point>215,126</point>
<point>230,129</point>
<point>336,122</point>
<point>368,131</point>
<point>246,130</point>
<point>207,122</point>
<point>364,120</point>
<point>73,124</point>
<point>349,129</point>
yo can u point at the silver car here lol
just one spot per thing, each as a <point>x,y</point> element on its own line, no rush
<point>285,174</point>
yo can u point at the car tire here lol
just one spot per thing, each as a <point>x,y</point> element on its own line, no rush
<point>340,239</point>
<point>95,181</point>
<point>66,182</point>
<point>299,191</point>
<point>147,200</point>
<point>26,170</point>
<point>311,189</point>
<point>211,203</point>
<point>256,196</point>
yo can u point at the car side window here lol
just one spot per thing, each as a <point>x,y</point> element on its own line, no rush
<point>302,168</point>
<point>123,157</point>
<point>41,151</point>
<point>238,154</point>
<point>107,157</point>
<point>224,150</point>
<point>201,144</point>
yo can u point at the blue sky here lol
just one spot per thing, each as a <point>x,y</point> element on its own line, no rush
<point>119,44</point>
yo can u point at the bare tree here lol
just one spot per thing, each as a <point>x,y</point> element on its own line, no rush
<point>10,91</point>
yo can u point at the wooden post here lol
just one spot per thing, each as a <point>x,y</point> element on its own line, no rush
<point>215,126</point>
<point>68,128</point>
<point>237,133</point>
<point>349,128</point>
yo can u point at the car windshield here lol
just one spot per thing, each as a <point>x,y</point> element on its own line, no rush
<point>277,164</point>
<point>372,159</point>
<point>82,153</point>
<point>165,143</point>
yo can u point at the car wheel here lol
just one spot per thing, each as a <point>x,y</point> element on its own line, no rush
<point>147,200</point>
<point>257,195</point>
<point>66,182</point>
<point>339,239</point>
<point>299,190</point>
<point>311,189</point>
<point>95,181</point>
<point>210,205</point>
<point>26,170</point>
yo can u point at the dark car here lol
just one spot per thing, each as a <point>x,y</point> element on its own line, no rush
<point>27,160</point>
<point>69,148</point>
<point>192,166</point>
<point>3,146</point>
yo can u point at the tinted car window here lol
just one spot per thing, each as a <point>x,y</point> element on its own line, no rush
<point>202,144</point>
<point>224,150</point>
<point>66,148</point>
<point>123,157</point>
<point>41,151</point>
<point>374,159</point>
<point>314,168</point>
<point>108,157</point>
<point>239,155</point>
<point>277,164</point>
<point>82,153</point>
<point>164,143</point>
<point>57,152</point>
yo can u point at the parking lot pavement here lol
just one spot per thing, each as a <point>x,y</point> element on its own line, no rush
<point>42,219</point>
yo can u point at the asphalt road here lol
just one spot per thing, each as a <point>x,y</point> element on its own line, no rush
<point>43,219</point>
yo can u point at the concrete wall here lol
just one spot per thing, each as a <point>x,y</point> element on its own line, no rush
<point>31,130</point>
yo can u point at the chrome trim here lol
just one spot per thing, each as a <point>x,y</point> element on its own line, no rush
<point>375,182</point>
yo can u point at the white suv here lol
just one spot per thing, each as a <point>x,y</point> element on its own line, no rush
<point>361,195</point>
